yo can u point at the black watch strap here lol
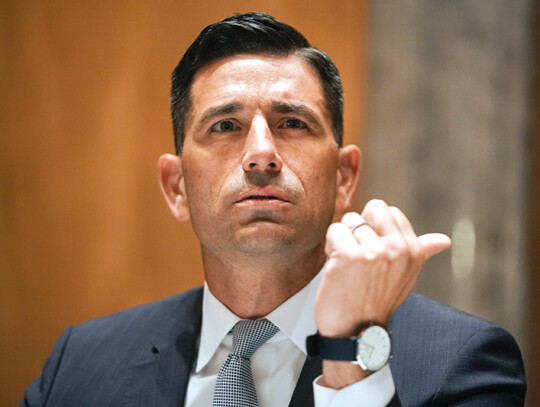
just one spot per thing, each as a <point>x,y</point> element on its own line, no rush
<point>332,348</point>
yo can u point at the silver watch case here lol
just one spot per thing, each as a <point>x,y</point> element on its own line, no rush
<point>373,348</point>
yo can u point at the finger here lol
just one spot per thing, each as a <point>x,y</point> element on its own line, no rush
<point>433,243</point>
<point>406,230</point>
<point>378,215</point>
<point>364,234</point>
<point>352,219</point>
<point>339,238</point>
<point>403,223</point>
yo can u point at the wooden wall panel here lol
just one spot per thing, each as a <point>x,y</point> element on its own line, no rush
<point>533,313</point>
<point>84,116</point>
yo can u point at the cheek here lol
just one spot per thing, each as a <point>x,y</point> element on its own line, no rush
<point>201,190</point>
<point>199,187</point>
<point>201,172</point>
<point>206,178</point>
<point>324,188</point>
<point>317,173</point>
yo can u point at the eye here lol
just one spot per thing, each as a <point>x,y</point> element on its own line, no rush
<point>224,126</point>
<point>293,124</point>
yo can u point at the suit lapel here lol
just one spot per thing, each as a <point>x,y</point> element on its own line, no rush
<point>160,377</point>
<point>303,392</point>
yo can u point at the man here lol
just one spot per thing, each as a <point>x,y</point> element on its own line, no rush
<point>261,172</point>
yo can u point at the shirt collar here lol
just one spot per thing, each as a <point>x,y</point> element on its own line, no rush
<point>295,318</point>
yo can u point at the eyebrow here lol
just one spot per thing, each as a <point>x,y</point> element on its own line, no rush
<point>298,109</point>
<point>279,107</point>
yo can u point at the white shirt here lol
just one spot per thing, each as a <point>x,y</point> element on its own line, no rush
<point>277,364</point>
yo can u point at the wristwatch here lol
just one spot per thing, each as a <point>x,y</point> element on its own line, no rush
<point>371,349</point>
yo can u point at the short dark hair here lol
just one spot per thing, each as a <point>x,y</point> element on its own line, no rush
<point>251,33</point>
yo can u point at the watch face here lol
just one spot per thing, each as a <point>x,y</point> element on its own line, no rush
<point>373,349</point>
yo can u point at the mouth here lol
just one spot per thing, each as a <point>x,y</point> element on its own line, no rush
<point>259,198</point>
<point>263,195</point>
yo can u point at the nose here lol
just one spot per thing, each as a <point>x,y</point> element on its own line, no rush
<point>260,150</point>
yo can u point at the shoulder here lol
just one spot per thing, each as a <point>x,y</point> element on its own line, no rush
<point>422,323</point>
<point>423,312</point>
<point>130,334</point>
<point>141,318</point>
<point>422,327</point>
<point>439,351</point>
<point>93,359</point>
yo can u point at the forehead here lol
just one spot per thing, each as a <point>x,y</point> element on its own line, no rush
<point>257,79</point>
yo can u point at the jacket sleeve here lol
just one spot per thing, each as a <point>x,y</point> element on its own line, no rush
<point>486,371</point>
<point>38,391</point>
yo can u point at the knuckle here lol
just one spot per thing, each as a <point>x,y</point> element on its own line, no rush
<point>333,228</point>
<point>397,254</point>
<point>397,249</point>
<point>376,204</point>
<point>373,209</point>
<point>346,256</point>
<point>380,252</point>
<point>349,216</point>
<point>395,243</point>
<point>369,257</point>
<point>375,254</point>
<point>334,231</point>
<point>417,252</point>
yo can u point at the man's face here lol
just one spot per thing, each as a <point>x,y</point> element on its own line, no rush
<point>260,162</point>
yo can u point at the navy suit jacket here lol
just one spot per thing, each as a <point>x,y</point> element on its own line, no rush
<point>143,357</point>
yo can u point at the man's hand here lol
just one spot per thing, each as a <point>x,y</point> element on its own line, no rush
<point>369,273</point>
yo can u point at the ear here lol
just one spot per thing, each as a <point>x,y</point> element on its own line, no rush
<point>171,181</point>
<point>350,163</point>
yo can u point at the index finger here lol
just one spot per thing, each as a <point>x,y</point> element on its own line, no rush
<point>339,238</point>
<point>359,227</point>
<point>378,215</point>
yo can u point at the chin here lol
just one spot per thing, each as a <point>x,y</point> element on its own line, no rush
<point>265,238</point>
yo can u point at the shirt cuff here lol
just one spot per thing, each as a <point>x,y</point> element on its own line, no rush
<point>375,390</point>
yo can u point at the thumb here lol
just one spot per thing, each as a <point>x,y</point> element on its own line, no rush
<point>433,243</point>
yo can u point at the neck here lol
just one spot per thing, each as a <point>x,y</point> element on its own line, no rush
<point>252,287</point>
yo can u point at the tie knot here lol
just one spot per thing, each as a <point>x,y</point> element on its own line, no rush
<point>249,335</point>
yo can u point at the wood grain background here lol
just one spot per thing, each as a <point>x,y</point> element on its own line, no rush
<point>84,116</point>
